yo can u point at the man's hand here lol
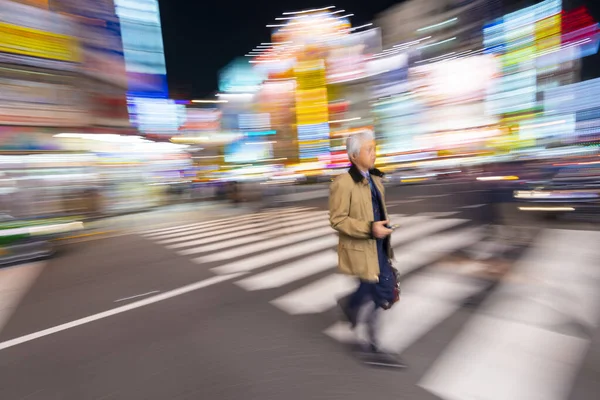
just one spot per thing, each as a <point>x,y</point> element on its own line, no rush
<point>379,229</point>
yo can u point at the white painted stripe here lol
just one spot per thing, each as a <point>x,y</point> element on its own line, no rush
<point>247,229</point>
<point>118,310</point>
<point>14,284</point>
<point>317,297</point>
<point>406,202</point>
<point>439,214</point>
<point>236,243</point>
<point>221,221</point>
<point>474,206</point>
<point>230,254</point>
<point>291,272</point>
<point>431,249</point>
<point>516,350</point>
<point>136,296</point>
<point>426,301</point>
<point>500,360</point>
<point>419,254</point>
<point>424,228</point>
<point>322,262</point>
<point>275,256</point>
<point>207,223</point>
<point>256,219</point>
<point>240,224</point>
<point>281,253</point>
<point>270,241</point>
<point>249,236</point>
<point>431,196</point>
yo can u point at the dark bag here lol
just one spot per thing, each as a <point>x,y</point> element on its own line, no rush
<point>396,293</point>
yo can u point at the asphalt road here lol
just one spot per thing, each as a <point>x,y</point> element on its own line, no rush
<point>233,303</point>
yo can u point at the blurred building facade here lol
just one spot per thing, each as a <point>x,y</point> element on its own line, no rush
<point>441,27</point>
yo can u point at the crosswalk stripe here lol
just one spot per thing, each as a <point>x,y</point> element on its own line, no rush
<point>412,257</point>
<point>271,242</point>
<point>275,256</point>
<point>14,285</point>
<point>245,229</point>
<point>268,241</point>
<point>427,300</point>
<point>236,243</point>
<point>317,297</point>
<point>440,214</point>
<point>189,233</point>
<point>290,272</point>
<point>430,249</point>
<point>249,235</point>
<point>515,348</point>
<point>221,221</point>
<point>277,244</point>
<point>322,262</point>
<point>426,227</point>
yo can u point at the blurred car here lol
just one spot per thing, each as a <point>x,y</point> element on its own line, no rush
<point>27,240</point>
<point>573,188</point>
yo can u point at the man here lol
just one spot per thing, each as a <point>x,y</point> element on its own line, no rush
<point>357,211</point>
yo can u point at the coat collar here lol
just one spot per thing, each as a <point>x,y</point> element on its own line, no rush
<point>358,177</point>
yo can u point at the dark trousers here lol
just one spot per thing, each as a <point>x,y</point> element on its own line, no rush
<point>371,294</point>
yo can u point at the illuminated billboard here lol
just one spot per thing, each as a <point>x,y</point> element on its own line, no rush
<point>248,152</point>
<point>241,77</point>
<point>28,34</point>
<point>157,116</point>
<point>143,47</point>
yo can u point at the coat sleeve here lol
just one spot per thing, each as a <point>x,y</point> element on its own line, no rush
<point>339,213</point>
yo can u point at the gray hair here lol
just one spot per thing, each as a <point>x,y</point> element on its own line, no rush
<point>356,140</point>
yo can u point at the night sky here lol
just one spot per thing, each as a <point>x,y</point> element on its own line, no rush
<point>201,37</point>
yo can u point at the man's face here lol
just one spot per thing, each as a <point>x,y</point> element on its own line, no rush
<point>366,157</point>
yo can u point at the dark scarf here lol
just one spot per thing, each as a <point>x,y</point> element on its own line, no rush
<point>358,177</point>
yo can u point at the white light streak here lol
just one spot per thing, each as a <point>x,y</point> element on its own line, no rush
<point>546,209</point>
<point>210,101</point>
<point>408,44</point>
<point>345,120</point>
<point>437,43</point>
<point>437,25</point>
<point>362,26</point>
<point>308,11</point>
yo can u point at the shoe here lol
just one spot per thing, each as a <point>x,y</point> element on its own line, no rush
<point>376,358</point>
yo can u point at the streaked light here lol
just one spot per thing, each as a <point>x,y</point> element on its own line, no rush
<point>345,120</point>
<point>236,95</point>
<point>546,208</point>
<point>308,11</point>
<point>362,26</point>
<point>437,43</point>
<point>436,58</point>
<point>408,44</point>
<point>437,25</point>
<point>498,178</point>
<point>210,101</point>
<point>521,194</point>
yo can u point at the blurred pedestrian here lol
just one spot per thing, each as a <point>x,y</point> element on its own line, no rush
<point>358,212</point>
